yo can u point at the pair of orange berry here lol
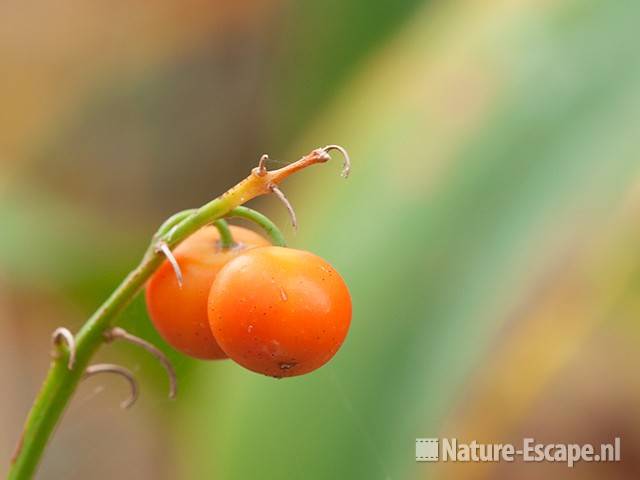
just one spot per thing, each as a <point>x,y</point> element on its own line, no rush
<point>274,310</point>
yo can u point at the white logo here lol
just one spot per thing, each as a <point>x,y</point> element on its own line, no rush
<point>428,450</point>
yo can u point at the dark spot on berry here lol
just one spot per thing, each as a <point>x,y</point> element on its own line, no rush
<point>287,365</point>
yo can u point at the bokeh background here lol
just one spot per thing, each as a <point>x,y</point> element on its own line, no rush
<point>490,231</point>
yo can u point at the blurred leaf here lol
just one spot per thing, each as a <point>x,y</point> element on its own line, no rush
<point>49,243</point>
<point>320,45</point>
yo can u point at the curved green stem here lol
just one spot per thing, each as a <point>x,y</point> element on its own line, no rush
<point>61,382</point>
<point>226,239</point>
<point>263,221</point>
<point>172,221</point>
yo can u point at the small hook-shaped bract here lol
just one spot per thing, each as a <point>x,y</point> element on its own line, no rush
<point>346,166</point>
<point>120,333</point>
<point>59,335</point>
<point>262,165</point>
<point>292,213</point>
<point>117,369</point>
<point>164,248</point>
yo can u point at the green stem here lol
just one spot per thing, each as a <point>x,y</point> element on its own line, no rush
<point>226,239</point>
<point>61,382</point>
<point>263,221</point>
<point>172,221</point>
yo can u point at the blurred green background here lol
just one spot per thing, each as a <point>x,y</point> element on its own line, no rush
<point>489,232</point>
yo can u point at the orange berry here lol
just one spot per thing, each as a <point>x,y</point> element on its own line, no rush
<point>279,311</point>
<point>180,314</point>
